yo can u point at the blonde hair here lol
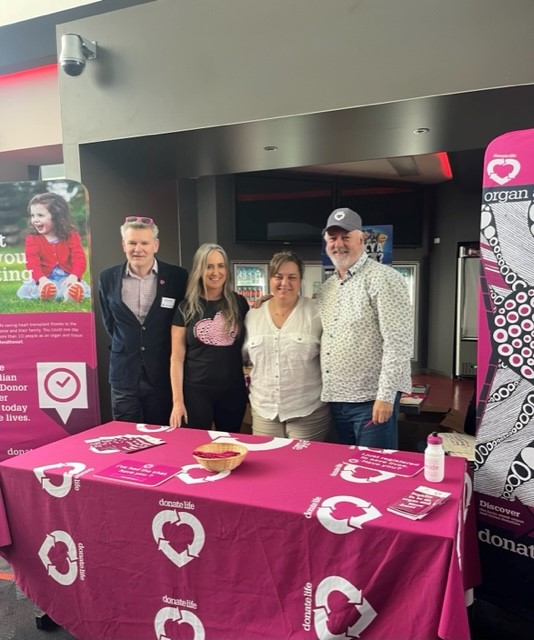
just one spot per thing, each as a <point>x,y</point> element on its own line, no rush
<point>192,304</point>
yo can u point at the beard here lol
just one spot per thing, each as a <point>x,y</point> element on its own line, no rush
<point>341,260</point>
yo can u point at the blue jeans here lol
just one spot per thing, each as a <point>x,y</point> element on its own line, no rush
<point>350,418</point>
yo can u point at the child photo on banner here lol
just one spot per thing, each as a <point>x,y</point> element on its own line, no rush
<point>48,365</point>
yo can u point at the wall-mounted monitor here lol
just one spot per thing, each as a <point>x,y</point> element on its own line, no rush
<point>271,209</point>
<point>292,209</point>
<point>399,205</point>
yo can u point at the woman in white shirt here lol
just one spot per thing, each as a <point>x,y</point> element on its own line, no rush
<point>283,344</point>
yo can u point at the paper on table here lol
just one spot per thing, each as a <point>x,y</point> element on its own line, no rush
<point>418,503</point>
<point>126,442</point>
<point>459,444</point>
<point>139,472</point>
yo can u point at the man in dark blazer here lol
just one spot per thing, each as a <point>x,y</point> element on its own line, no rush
<point>138,300</point>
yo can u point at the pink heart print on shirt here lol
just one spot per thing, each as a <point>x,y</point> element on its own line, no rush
<point>213,332</point>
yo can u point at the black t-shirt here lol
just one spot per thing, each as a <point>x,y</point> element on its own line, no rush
<point>213,353</point>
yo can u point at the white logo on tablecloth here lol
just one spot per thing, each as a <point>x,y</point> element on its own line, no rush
<point>58,491</point>
<point>51,540</point>
<point>375,449</point>
<point>462,516</point>
<point>326,514</point>
<point>275,443</point>
<point>468,493</point>
<point>178,518</point>
<point>379,476</point>
<point>184,476</point>
<point>355,599</point>
<point>181,616</point>
<point>151,428</point>
<point>502,170</point>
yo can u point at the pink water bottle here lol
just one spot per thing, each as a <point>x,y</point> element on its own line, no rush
<point>434,458</point>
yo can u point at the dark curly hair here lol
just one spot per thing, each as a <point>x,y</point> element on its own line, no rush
<point>58,208</point>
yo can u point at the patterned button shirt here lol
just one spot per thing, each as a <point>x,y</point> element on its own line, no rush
<point>367,334</point>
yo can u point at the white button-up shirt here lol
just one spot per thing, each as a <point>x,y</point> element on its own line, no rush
<point>285,380</point>
<point>367,334</point>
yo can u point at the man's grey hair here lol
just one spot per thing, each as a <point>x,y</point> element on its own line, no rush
<point>137,224</point>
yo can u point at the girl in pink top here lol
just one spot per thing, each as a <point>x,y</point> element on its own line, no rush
<point>54,253</point>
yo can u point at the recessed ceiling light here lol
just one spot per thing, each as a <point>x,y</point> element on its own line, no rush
<point>270,147</point>
<point>421,130</point>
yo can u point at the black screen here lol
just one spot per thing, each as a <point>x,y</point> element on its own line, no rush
<point>294,210</point>
<point>401,206</point>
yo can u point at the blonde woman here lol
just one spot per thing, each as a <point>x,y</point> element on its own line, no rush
<point>208,385</point>
<point>283,344</point>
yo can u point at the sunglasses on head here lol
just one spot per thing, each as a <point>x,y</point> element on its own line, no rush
<point>141,219</point>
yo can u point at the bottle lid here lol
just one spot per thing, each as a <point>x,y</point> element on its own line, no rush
<point>433,438</point>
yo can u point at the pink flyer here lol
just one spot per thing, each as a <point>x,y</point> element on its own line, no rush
<point>146,473</point>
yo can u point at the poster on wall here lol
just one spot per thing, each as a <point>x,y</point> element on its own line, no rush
<point>48,378</point>
<point>504,459</point>
<point>378,241</point>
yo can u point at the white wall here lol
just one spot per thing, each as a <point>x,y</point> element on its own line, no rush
<point>29,109</point>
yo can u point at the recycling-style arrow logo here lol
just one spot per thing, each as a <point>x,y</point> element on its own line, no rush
<point>274,443</point>
<point>179,558</point>
<point>468,494</point>
<point>326,514</point>
<point>355,599</point>
<point>50,541</point>
<point>376,449</point>
<point>151,428</point>
<point>59,491</point>
<point>181,616</point>
<point>184,476</point>
<point>502,170</point>
<point>378,475</point>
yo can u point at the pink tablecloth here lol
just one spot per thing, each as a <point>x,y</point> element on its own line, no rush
<point>295,543</point>
<point>5,536</point>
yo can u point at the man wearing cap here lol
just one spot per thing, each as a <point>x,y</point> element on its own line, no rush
<point>367,337</point>
<point>138,300</point>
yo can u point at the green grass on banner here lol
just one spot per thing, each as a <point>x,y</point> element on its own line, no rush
<point>10,303</point>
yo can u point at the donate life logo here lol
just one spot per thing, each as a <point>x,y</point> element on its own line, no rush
<point>59,491</point>
<point>178,518</point>
<point>502,170</point>
<point>70,571</point>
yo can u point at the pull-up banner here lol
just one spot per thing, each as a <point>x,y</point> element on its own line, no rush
<point>48,381</point>
<point>504,466</point>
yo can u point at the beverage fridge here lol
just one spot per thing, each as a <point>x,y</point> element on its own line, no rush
<point>466,330</point>
<point>251,279</point>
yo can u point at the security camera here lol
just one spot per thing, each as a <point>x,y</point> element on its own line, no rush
<point>75,51</point>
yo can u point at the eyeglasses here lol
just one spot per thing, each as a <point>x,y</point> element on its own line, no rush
<point>141,219</point>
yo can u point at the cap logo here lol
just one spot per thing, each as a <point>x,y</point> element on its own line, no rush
<point>339,215</point>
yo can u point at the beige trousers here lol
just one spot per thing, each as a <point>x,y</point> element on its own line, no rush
<point>314,426</point>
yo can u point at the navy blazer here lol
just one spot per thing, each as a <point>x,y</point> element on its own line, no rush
<point>134,344</point>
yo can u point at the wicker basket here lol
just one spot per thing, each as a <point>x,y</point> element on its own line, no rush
<point>221,464</point>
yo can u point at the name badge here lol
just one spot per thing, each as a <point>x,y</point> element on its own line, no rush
<point>168,303</point>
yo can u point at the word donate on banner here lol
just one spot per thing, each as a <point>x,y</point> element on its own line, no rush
<point>504,454</point>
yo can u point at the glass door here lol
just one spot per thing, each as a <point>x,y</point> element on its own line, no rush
<point>250,280</point>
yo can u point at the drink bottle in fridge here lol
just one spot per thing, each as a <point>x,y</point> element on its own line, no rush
<point>251,280</point>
